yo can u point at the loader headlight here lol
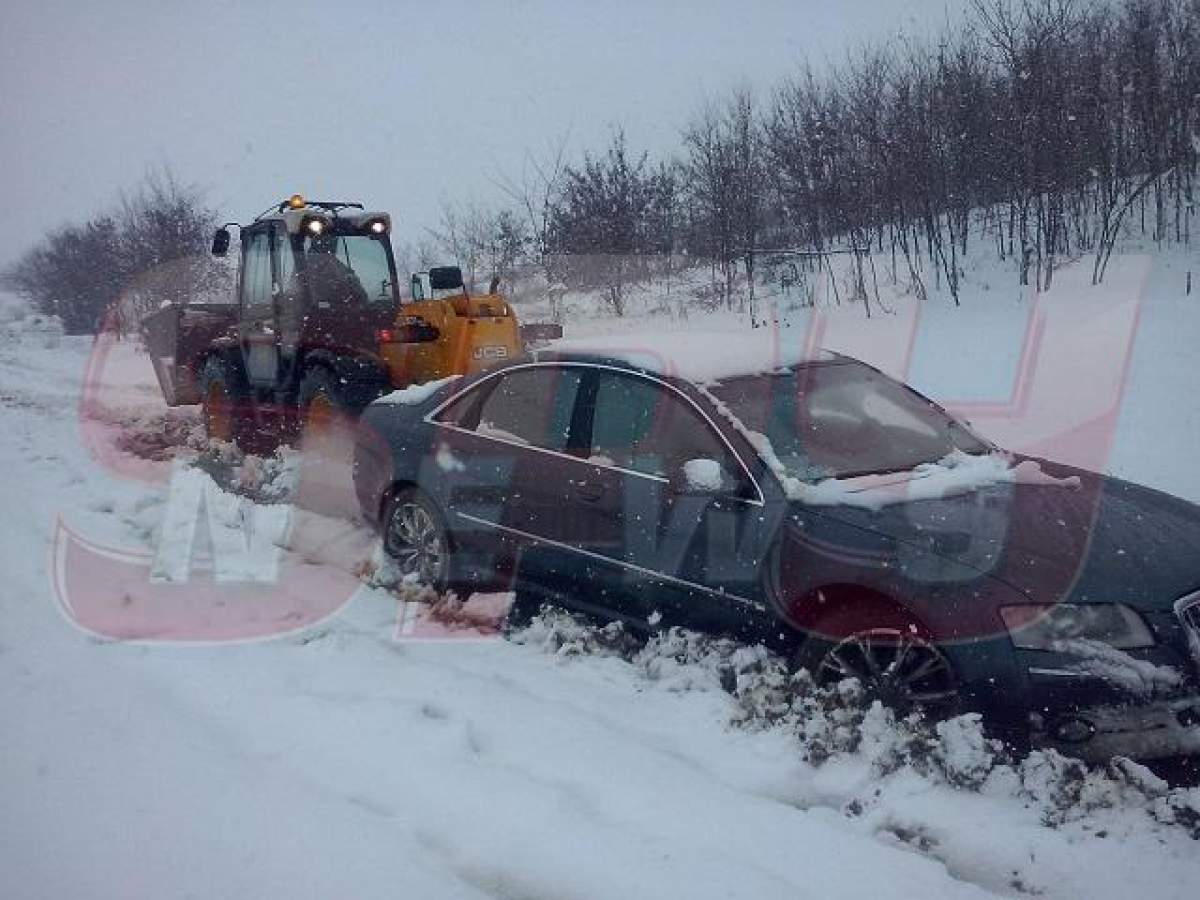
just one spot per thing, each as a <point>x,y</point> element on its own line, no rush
<point>378,226</point>
<point>314,226</point>
<point>1041,626</point>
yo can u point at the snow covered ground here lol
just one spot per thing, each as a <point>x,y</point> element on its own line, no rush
<point>338,760</point>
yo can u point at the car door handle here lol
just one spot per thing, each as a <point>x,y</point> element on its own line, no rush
<point>589,490</point>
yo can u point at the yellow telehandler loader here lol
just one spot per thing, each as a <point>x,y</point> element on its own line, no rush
<point>318,325</point>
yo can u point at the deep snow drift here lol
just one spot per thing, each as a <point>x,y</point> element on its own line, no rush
<point>392,748</point>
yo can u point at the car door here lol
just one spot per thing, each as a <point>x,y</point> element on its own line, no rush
<point>257,321</point>
<point>504,465</point>
<point>675,512</point>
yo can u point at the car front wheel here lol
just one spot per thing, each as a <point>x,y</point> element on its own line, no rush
<point>894,661</point>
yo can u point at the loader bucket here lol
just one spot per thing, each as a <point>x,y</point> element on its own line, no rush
<point>177,337</point>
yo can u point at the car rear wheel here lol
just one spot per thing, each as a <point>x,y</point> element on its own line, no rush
<point>414,536</point>
<point>894,660</point>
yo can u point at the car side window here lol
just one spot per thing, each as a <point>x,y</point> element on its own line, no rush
<point>532,407</point>
<point>641,425</point>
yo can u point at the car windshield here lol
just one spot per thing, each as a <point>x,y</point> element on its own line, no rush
<point>360,259</point>
<point>839,419</point>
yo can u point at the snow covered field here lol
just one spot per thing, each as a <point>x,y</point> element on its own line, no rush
<point>339,761</point>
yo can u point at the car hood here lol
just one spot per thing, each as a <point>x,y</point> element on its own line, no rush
<point>1103,539</point>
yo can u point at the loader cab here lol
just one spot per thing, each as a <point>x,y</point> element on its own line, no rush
<point>345,265</point>
<point>318,255</point>
<point>312,276</point>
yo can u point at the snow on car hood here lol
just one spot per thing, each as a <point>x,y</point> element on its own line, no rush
<point>958,473</point>
<point>1101,540</point>
<point>1051,531</point>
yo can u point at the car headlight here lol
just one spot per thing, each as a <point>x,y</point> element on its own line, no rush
<point>1041,626</point>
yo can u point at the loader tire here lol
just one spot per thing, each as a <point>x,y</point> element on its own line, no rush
<point>318,400</point>
<point>223,399</point>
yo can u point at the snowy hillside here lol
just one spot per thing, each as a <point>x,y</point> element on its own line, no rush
<point>384,748</point>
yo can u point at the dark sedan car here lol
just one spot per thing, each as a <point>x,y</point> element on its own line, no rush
<point>822,508</point>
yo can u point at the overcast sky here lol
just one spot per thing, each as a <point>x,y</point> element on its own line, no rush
<point>398,104</point>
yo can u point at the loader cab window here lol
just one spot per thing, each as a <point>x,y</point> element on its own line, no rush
<point>359,263</point>
<point>285,256</point>
<point>256,270</point>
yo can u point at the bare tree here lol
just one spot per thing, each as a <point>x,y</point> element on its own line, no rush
<point>1051,128</point>
<point>535,192</point>
<point>152,250</point>
<point>724,172</point>
<point>487,243</point>
<point>613,220</point>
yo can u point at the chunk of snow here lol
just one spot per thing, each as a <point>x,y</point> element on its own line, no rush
<point>447,461</point>
<point>417,393</point>
<point>958,473</point>
<point>703,474</point>
<point>1138,677</point>
<point>965,754</point>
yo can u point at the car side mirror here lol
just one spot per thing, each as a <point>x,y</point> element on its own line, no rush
<point>220,243</point>
<point>699,477</point>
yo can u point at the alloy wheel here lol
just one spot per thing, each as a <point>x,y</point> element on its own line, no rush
<point>414,539</point>
<point>899,668</point>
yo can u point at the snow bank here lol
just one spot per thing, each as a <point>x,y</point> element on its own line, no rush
<point>19,327</point>
<point>157,436</point>
<point>836,730</point>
